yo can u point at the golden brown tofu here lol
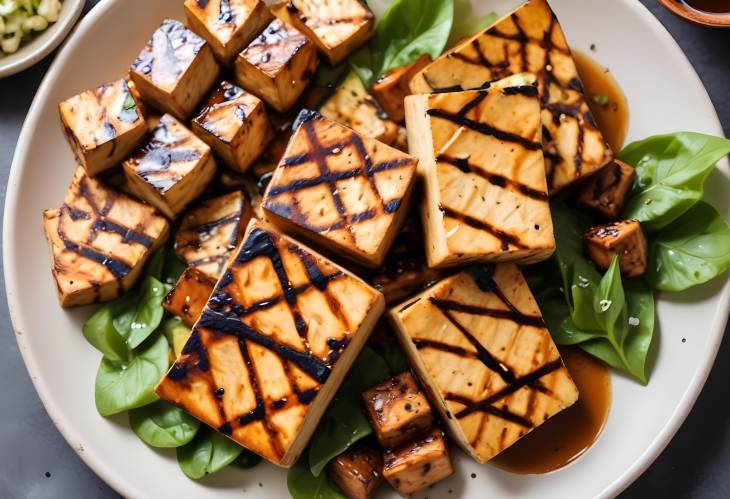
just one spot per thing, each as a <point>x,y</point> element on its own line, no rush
<point>624,239</point>
<point>391,89</point>
<point>234,124</point>
<point>99,241</point>
<point>209,233</point>
<point>277,65</point>
<point>175,70</point>
<point>479,345</point>
<point>171,169</point>
<point>338,27</point>
<point>190,295</point>
<point>398,410</point>
<point>227,25</point>
<point>345,192</point>
<point>606,191</point>
<point>272,346</point>
<point>481,159</point>
<point>102,125</point>
<point>357,472</point>
<point>530,39</point>
<point>418,464</point>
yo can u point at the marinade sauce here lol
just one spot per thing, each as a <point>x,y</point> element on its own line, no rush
<point>714,6</point>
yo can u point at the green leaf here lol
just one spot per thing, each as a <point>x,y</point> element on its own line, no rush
<point>99,329</point>
<point>136,322</point>
<point>247,460</point>
<point>208,452</point>
<point>302,484</point>
<point>123,386</point>
<point>641,317</point>
<point>172,269</point>
<point>162,424</point>
<point>155,264</point>
<point>609,303</point>
<point>691,251</point>
<point>467,22</point>
<point>671,171</point>
<point>129,103</point>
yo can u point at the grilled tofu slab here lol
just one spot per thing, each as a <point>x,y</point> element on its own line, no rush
<point>227,25</point>
<point>391,89</point>
<point>272,346</point>
<point>171,169</point>
<point>102,125</point>
<point>99,241</point>
<point>479,344</point>
<point>357,472</point>
<point>234,124</point>
<point>209,233</point>
<point>338,27</point>
<point>190,295</point>
<point>624,239</point>
<point>606,190</point>
<point>481,160</point>
<point>277,65</point>
<point>530,39</point>
<point>175,70</point>
<point>418,464</point>
<point>345,192</point>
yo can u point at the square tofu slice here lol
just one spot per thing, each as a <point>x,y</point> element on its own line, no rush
<point>340,190</point>
<point>172,168</point>
<point>272,346</point>
<point>624,239</point>
<point>357,472</point>
<point>393,87</point>
<point>606,191</point>
<point>480,346</point>
<point>530,39</point>
<point>277,65</point>
<point>338,27</point>
<point>99,241</point>
<point>175,69</point>
<point>209,233</point>
<point>227,25</point>
<point>481,160</point>
<point>418,464</point>
<point>398,410</point>
<point>102,125</point>
<point>234,124</point>
<point>190,295</point>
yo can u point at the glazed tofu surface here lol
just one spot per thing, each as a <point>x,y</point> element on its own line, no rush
<point>606,191</point>
<point>624,239</point>
<point>190,295</point>
<point>357,472</point>
<point>391,89</point>
<point>418,464</point>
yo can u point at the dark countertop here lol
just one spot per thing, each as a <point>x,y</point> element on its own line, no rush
<point>36,462</point>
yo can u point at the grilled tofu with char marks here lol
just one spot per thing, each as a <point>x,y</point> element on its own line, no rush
<point>357,472</point>
<point>479,344</point>
<point>345,192</point>
<point>227,25</point>
<point>391,89</point>
<point>418,464</point>
<point>530,39</point>
<point>606,191</point>
<point>172,168</point>
<point>102,125</point>
<point>190,295</point>
<point>99,241</point>
<point>624,239</point>
<point>272,346</point>
<point>175,70</point>
<point>481,160</point>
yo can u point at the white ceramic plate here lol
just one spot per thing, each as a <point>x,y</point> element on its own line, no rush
<point>664,94</point>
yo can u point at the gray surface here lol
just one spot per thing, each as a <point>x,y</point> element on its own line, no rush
<point>36,462</point>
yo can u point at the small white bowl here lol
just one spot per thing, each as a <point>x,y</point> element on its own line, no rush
<point>44,42</point>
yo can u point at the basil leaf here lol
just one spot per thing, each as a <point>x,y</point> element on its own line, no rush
<point>670,174</point>
<point>208,452</point>
<point>100,332</point>
<point>123,386</point>
<point>609,303</point>
<point>136,322</point>
<point>155,264</point>
<point>302,484</point>
<point>247,460</point>
<point>467,22</point>
<point>691,251</point>
<point>394,357</point>
<point>162,424</point>
<point>172,268</point>
<point>177,334</point>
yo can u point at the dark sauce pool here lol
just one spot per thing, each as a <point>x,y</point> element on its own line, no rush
<point>713,6</point>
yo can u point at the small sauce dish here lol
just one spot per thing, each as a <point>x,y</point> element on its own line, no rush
<point>714,13</point>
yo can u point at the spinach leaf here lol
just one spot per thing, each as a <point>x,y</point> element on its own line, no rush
<point>121,386</point>
<point>172,269</point>
<point>139,319</point>
<point>208,452</point>
<point>302,484</point>
<point>155,264</point>
<point>394,357</point>
<point>691,251</point>
<point>670,174</point>
<point>247,460</point>
<point>100,332</point>
<point>177,334</point>
<point>467,22</point>
<point>161,424</point>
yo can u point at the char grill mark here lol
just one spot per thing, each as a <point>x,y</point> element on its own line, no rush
<point>507,239</point>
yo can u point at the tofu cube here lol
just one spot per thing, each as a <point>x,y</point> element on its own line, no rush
<point>150,115</point>
<point>234,124</point>
<point>625,239</point>
<point>398,410</point>
<point>189,296</point>
<point>102,125</point>
<point>338,27</point>
<point>227,25</point>
<point>175,70</point>
<point>357,472</point>
<point>418,464</point>
<point>272,346</point>
<point>391,89</point>
<point>277,65</point>
<point>172,168</point>
<point>606,191</point>
<point>347,193</point>
<point>99,241</point>
<point>480,155</point>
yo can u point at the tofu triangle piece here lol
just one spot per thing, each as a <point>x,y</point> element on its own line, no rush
<point>530,39</point>
<point>481,160</point>
<point>479,344</point>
